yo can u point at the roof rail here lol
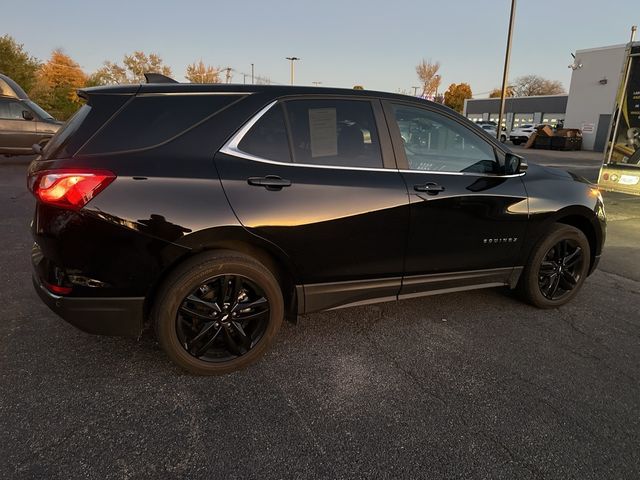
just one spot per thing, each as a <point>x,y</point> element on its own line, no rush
<point>158,78</point>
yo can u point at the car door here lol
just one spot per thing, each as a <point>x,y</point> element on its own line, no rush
<point>317,178</point>
<point>16,133</point>
<point>467,219</point>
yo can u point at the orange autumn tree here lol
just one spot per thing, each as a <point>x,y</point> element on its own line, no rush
<point>456,94</point>
<point>56,83</point>
<point>201,73</point>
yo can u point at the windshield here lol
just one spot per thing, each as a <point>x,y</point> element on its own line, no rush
<point>38,110</point>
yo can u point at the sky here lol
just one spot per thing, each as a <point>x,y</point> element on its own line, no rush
<point>344,43</point>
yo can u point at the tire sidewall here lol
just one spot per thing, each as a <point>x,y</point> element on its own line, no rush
<point>183,283</point>
<point>531,285</point>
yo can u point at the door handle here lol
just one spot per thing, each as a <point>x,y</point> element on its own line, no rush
<point>270,182</point>
<point>431,188</point>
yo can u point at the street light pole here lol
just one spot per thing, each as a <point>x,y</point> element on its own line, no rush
<point>292,59</point>
<point>252,74</point>
<point>505,73</point>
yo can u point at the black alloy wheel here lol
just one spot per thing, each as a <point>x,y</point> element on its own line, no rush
<point>560,269</point>
<point>222,319</point>
<point>557,267</point>
<point>218,312</point>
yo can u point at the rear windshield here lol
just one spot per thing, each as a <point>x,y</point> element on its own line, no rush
<point>60,139</point>
<point>153,119</point>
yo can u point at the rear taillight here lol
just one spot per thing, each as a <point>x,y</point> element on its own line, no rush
<point>71,189</point>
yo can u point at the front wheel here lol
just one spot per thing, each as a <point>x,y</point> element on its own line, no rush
<point>516,142</point>
<point>218,313</point>
<point>557,267</point>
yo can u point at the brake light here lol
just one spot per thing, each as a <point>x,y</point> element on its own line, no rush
<point>71,189</point>
<point>57,289</point>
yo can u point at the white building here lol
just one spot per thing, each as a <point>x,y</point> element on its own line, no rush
<point>592,93</point>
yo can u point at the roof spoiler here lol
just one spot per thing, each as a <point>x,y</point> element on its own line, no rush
<point>158,78</point>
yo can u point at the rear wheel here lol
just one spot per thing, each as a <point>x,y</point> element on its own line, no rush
<point>218,313</point>
<point>557,267</point>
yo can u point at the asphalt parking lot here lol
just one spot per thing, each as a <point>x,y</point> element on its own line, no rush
<point>473,385</point>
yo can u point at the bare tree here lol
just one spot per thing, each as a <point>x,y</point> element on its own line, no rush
<point>529,85</point>
<point>428,74</point>
<point>201,73</point>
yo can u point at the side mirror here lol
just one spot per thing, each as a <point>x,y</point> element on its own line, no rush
<point>514,164</point>
<point>27,115</point>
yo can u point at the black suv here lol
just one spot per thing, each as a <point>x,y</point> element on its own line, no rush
<point>215,211</point>
<point>22,122</point>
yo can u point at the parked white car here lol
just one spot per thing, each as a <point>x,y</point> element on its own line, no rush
<point>491,130</point>
<point>522,133</point>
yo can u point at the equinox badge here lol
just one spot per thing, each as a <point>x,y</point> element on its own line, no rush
<point>492,241</point>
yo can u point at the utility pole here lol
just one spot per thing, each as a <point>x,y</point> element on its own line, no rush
<point>252,74</point>
<point>292,59</point>
<point>415,91</point>
<point>244,78</point>
<point>228,75</point>
<point>505,73</point>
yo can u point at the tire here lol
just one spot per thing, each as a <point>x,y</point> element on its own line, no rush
<point>207,295</point>
<point>549,265</point>
<point>516,142</point>
<point>503,139</point>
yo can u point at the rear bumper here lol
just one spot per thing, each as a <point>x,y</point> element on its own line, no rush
<point>100,316</point>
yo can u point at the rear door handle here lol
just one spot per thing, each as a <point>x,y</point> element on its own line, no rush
<point>430,187</point>
<point>270,182</point>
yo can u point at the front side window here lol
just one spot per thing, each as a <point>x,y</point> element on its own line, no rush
<point>334,132</point>
<point>434,142</point>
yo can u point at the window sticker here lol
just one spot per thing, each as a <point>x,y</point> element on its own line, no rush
<point>323,129</point>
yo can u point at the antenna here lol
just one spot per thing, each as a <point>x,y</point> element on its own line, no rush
<point>158,78</point>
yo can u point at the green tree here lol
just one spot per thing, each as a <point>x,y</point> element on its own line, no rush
<point>57,81</point>
<point>16,63</point>
<point>456,94</point>
<point>133,69</point>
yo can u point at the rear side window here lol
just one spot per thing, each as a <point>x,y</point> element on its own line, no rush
<point>268,137</point>
<point>62,136</point>
<point>334,132</point>
<point>153,119</point>
<point>11,110</point>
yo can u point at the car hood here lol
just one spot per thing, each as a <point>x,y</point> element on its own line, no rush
<point>542,171</point>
